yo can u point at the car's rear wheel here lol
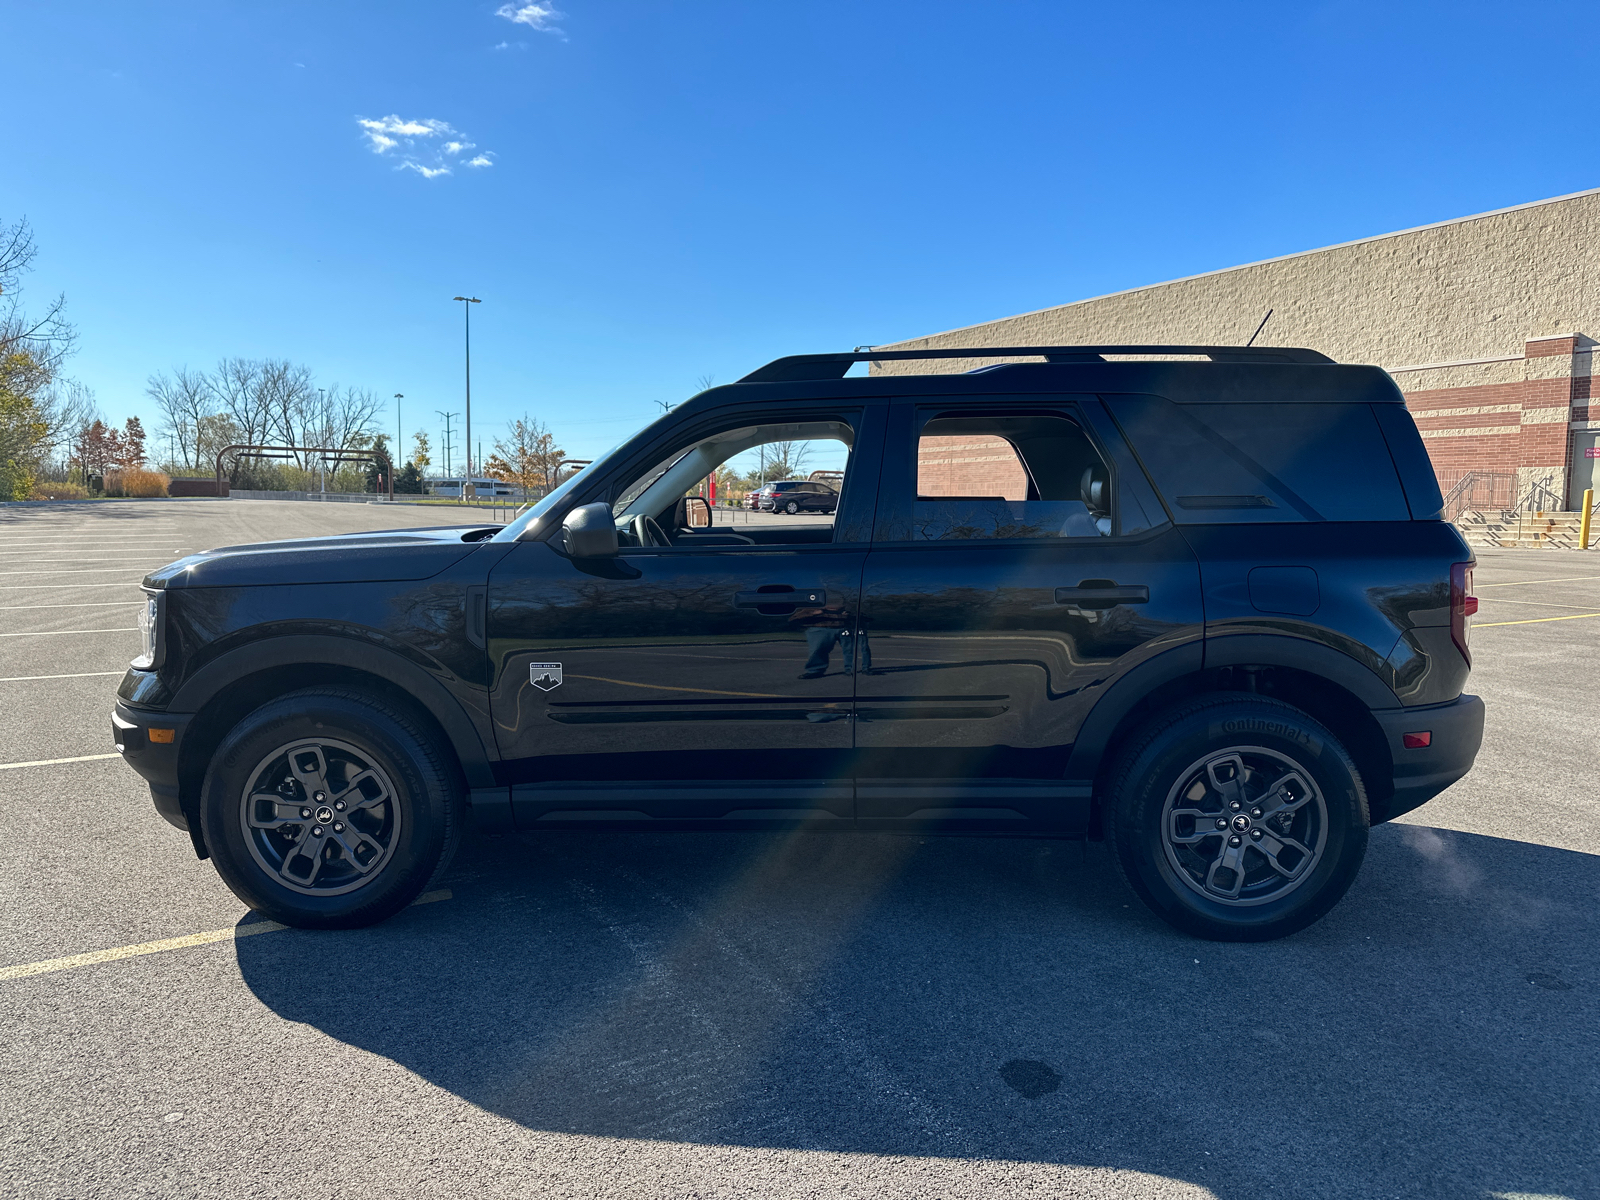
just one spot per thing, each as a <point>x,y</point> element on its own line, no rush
<point>1237,818</point>
<point>328,809</point>
<point>791,508</point>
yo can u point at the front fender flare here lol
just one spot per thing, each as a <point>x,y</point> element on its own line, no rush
<point>474,753</point>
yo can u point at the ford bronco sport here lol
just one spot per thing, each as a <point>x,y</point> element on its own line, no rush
<point>1202,605</point>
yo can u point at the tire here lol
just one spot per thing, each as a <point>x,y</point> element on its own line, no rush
<point>1236,759</point>
<point>791,508</point>
<point>352,776</point>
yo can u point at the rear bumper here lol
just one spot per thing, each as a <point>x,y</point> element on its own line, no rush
<point>156,761</point>
<point>1420,774</point>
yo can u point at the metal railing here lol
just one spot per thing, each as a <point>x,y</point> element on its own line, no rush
<point>1481,491</point>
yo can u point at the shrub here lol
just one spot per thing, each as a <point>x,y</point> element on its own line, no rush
<point>16,481</point>
<point>50,489</point>
<point>136,481</point>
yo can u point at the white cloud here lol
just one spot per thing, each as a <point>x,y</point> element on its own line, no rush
<point>482,160</point>
<point>542,17</point>
<point>413,143</point>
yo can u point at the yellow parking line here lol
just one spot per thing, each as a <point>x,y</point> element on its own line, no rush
<point>1536,620</point>
<point>1528,582</point>
<point>45,966</point>
<point>50,762</point>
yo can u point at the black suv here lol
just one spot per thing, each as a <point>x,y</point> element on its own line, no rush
<point>795,496</point>
<point>1203,608</point>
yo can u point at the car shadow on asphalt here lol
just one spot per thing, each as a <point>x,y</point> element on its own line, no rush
<point>994,999</point>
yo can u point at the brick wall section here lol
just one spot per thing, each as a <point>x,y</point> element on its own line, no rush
<point>1518,426</point>
<point>972,465</point>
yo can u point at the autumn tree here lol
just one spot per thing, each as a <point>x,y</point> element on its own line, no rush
<point>38,409</point>
<point>419,452</point>
<point>527,456</point>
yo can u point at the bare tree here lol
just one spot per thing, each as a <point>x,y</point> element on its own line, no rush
<point>185,400</point>
<point>46,337</point>
<point>237,394</point>
<point>786,459</point>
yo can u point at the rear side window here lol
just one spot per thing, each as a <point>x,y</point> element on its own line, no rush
<point>1246,463</point>
<point>1007,477</point>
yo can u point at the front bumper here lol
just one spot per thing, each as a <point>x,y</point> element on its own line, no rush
<point>153,757</point>
<point>1420,774</point>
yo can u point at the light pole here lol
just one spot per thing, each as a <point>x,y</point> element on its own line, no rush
<point>323,413</point>
<point>467,302</point>
<point>448,417</point>
<point>399,436</point>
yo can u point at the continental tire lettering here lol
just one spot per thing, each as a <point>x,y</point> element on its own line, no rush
<point>1234,726</point>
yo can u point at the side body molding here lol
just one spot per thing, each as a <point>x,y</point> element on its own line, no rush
<point>475,752</point>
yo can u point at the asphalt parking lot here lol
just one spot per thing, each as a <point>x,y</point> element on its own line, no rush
<point>732,1014</point>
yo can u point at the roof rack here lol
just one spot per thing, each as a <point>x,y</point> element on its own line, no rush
<point>798,367</point>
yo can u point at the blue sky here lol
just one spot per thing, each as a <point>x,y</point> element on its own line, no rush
<point>667,191</point>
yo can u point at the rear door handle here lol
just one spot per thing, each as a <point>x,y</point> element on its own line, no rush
<point>1094,593</point>
<point>782,595</point>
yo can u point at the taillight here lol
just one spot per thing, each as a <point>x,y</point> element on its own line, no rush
<point>1463,604</point>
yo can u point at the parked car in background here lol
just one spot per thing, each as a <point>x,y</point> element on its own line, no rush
<point>794,496</point>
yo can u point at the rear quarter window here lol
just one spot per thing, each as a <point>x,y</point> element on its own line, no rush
<point>1255,462</point>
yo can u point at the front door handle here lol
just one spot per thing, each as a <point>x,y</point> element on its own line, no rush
<point>778,594</point>
<point>1102,593</point>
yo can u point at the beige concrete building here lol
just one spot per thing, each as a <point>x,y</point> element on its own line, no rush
<point>1488,324</point>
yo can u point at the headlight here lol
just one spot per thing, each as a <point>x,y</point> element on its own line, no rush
<point>149,633</point>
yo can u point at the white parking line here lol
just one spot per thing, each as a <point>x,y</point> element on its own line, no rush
<point>40,588</point>
<point>88,571</point>
<point>102,556</point>
<point>82,604</point>
<point>52,762</point>
<point>64,632</point>
<point>73,675</point>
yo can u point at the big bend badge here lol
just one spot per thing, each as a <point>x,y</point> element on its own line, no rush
<point>544,676</point>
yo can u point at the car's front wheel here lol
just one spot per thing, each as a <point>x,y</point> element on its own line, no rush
<point>1237,818</point>
<point>328,809</point>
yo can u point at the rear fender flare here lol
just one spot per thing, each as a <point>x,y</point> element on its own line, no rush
<point>1104,723</point>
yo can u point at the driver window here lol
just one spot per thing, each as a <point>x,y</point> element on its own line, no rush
<point>769,484</point>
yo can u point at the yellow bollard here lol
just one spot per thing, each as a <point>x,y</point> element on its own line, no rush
<point>1583,525</point>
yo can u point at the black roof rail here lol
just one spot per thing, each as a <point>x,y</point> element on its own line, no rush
<point>796,367</point>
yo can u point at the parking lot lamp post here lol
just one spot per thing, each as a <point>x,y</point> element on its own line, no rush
<point>467,303</point>
<point>399,434</point>
<point>323,465</point>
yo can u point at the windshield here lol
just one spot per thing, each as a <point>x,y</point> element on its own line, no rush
<point>530,520</point>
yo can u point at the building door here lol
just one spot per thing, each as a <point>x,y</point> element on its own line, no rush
<point>1585,465</point>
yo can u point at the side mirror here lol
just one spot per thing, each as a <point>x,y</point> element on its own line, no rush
<point>590,532</point>
<point>695,513</point>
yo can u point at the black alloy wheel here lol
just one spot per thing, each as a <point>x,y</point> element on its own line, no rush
<point>1237,818</point>
<point>330,809</point>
